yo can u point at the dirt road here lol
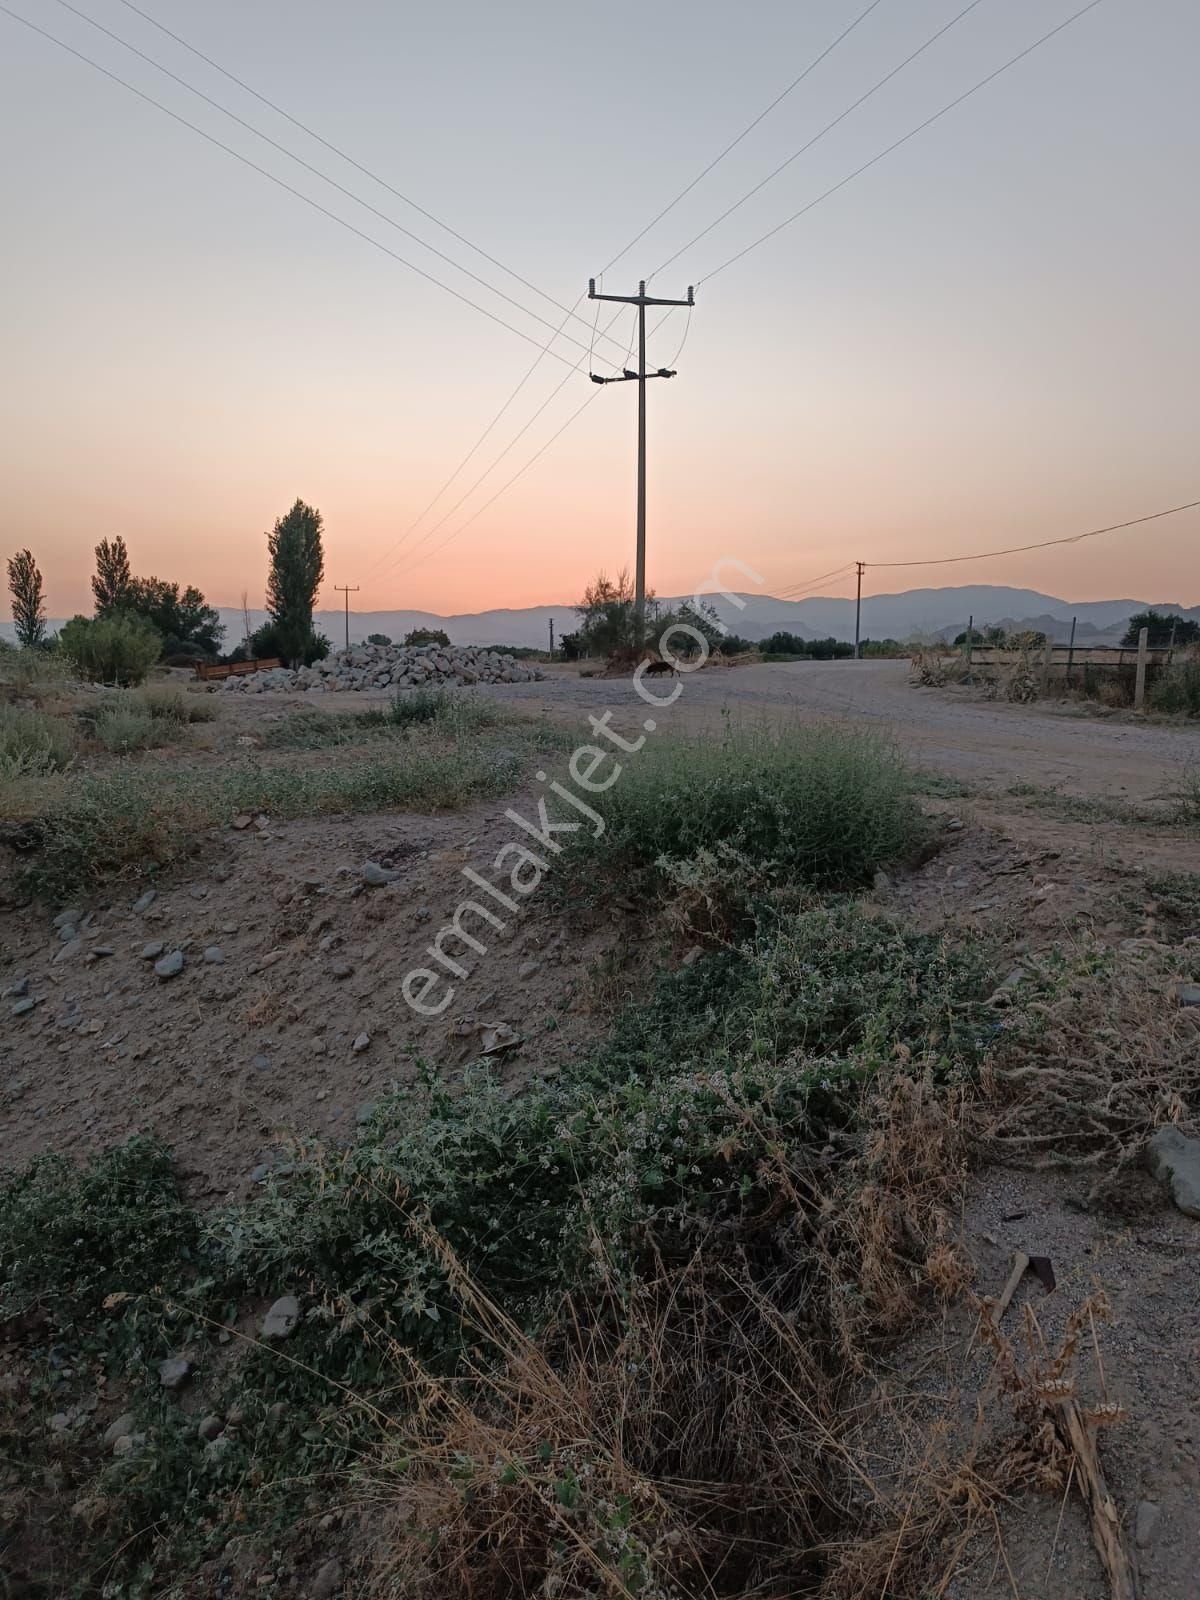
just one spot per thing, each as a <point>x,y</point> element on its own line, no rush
<point>991,743</point>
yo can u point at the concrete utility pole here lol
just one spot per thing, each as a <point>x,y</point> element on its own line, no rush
<point>552,638</point>
<point>347,590</point>
<point>641,300</point>
<point>860,565</point>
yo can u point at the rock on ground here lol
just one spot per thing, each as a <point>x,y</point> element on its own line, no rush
<point>1175,1159</point>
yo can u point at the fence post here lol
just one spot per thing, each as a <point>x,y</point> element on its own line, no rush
<point>1047,658</point>
<point>1139,690</point>
<point>1071,651</point>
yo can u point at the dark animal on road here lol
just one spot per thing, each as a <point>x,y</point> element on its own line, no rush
<point>655,668</point>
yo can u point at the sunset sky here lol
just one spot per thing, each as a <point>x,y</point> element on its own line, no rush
<point>988,338</point>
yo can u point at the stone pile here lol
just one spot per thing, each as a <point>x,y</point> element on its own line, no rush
<point>384,666</point>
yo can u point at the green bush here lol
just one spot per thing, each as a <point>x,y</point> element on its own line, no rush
<point>71,1235</point>
<point>1177,690</point>
<point>33,744</point>
<point>817,806</point>
<point>113,649</point>
<point>268,643</point>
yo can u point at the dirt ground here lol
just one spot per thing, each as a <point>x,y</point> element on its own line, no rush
<point>288,1019</point>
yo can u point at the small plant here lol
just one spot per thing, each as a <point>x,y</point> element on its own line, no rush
<point>168,704</point>
<point>116,649</point>
<point>33,743</point>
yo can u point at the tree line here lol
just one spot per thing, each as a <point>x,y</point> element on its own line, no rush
<point>138,621</point>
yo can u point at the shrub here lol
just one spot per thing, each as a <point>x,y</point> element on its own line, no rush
<point>819,806</point>
<point>71,1235</point>
<point>268,643</point>
<point>123,728</point>
<point>33,744</point>
<point>116,649</point>
<point>378,638</point>
<point>419,636</point>
<point>1177,690</point>
<point>169,704</point>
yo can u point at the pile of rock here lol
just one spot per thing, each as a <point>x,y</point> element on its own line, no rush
<point>384,666</point>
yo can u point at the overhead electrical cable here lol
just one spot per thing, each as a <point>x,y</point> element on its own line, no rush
<point>858,171</point>
<point>341,154</point>
<point>324,177</point>
<point>748,129</point>
<point>715,162</point>
<point>817,137</point>
<point>896,143</point>
<point>789,590</point>
<point>1041,544</point>
<point>283,184</point>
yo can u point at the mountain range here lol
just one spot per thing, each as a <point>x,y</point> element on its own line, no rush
<point>914,613</point>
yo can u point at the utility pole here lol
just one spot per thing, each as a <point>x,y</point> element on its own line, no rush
<point>347,590</point>
<point>860,566</point>
<point>641,300</point>
<point>552,638</point>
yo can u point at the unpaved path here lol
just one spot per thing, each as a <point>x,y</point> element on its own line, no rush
<point>984,742</point>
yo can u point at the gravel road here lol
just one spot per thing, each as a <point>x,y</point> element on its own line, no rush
<point>979,741</point>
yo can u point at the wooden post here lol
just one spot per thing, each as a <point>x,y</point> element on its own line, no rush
<point>1139,689</point>
<point>1047,658</point>
<point>1071,651</point>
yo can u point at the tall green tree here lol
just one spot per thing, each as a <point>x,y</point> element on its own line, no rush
<point>28,608</point>
<point>112,580</point>
<point>1159,626</point>
<point>297,567</point>
<point>186,621</point>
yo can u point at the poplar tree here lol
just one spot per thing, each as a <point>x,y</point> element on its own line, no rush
<point>297,567</point>
<point>28,609</point>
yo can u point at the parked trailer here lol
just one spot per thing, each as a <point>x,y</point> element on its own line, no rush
<point>208,671</point>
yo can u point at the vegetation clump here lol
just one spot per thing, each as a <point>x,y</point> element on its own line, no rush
<point>821,807</point>
<point>118,649</point>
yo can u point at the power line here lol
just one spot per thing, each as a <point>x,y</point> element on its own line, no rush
<point>1042,544</point>
<point>339,152</point>
<point>748,129</point>
<point>520,473</point>
<point>895,145</point>
<point>793,591</point>
<point>317,173</point>
<point>817,137</point>
<point>842,183</point>
<point>817,201</point>
<point>283,184</point>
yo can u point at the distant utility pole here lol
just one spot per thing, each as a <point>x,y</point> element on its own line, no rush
<point>347,590</point>
<point>641,300</point>
<point>858,608</point>
<point>552,638</point>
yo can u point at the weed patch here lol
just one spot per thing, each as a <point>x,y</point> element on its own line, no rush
<point>815,806</point>
<point>512,1304</point>
<point>102,824</point>
<point>33,744</point>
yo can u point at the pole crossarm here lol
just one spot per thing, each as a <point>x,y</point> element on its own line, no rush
<point>642,299</point>
<point>632,377</point>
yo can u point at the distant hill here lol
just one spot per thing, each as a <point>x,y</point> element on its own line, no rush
<point>926,613</point>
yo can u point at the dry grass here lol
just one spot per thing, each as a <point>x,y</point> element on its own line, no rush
<point>1106,1056</point>
<point>681,1434</point>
